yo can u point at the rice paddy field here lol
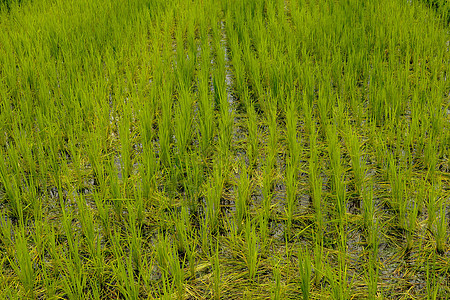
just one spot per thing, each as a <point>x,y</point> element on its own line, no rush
<point>261,149</point>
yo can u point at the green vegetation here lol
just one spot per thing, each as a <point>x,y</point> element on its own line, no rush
<point>262,149</point>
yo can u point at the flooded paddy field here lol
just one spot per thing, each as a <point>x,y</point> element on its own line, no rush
<point>264,149</point>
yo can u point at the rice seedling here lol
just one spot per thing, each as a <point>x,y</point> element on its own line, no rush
<point>183,121</point>
<point>125,139</point>
<point>441,230</point>
<point>169,262</point>
<point>251,250</point>
<point>432,288</point>
<point>187,239</point>
<point>291,188</point>
<point>23,266</point>
<point>305,274</point>
<point>206,107</point>
<point>216,273</point>
<point>432,204</point>
<point>372,270</point>
<point>243,195</point>
<point>412,224</point>
<point>368,207</point>
<point>123,268</point>
<point>213,196</point>
<point>252,139</point>
<point>337,175</point>
<point>291,131</point>
<point>165,128</point>
<point>358,165</point>
<point>276,292</point>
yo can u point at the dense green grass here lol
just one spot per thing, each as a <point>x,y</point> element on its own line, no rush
<point>224,149</point>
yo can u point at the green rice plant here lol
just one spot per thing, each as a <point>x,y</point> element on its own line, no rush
<point>205,238</point>
<point>103,212</point>
<point>161,252</point>
<point>131,286</point>
<point>123,268</point>
<point>74,282</point>
<point>291,132</point>
<point>186,239</point>
<point>225,132</point>
<point>372,267</point>
<point>272,144</point>
<point>398,188</point>
<point>264,230</point>
<point>291,193</point>
<point>165,128</point>
<point>441,229</point>
<point>134,238</point>
<point>6,233</point>
<point>337,280</point>
<point>23,264</point>
<point>192,252</point>
<point>87,224</point>
<point>182,226</point>
<point>185,63</point>
<point>304,265</point>
<point>216,272</point>
<point>213,196</point>
<point>237,62</point>
<point>31,194</point>
<point>334,152</point>
<point>276,293</point>
<point>430,156</point>
<point>252,139</point>
<point>368,206</point>
<point>166,292</point>
<point>115,189</point>
<point>267,193</point>
<point>413,212</point>
<point>432,204</point>
<point>226,113</point>
<point>176,270</point>
<point>206,107</point>
<point>219,84</point>
<point>170,264</point>
<point>149,164</point>
<point>194,177</point>
<point>183,121</point>
<point>49,285</point>
<point>358,166</point>
<point>243,195</point>
<point>72,239</point>
<point>315,182</point>
<point>10,184</point>
<point>343,270</point>
<point>307,101</point>
<point>125,142</point>
<point>56,257</point>
<point>339,190</point>
<point>339,286</point>
<point>95,154</point>
<point>323,103</point>
<point>251,250</point>
<point>139,205</point>
<point>91,237</point>
<point>432,287</point>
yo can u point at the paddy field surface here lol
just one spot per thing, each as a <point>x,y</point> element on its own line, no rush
<point>261,149</point>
